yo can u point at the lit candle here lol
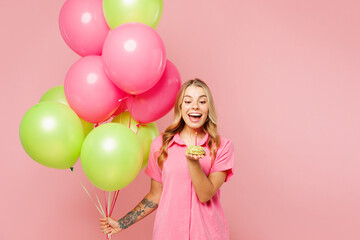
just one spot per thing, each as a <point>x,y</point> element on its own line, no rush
<point>195,138</point>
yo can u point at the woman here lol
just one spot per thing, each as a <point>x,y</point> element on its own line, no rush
<point>185,187</point>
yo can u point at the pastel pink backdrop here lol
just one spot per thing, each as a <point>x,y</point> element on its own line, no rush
<point>285,77</point>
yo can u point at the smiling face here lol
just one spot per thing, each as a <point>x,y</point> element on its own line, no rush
<point>194,107</point>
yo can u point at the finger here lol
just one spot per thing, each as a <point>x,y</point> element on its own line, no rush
<point>103,228</point>
<point>104,224</point>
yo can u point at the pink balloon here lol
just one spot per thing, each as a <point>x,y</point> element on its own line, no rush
<point>83,26</point>
<point>159,100</point>
<point>134,57</point>
<point>121,108</point>
<point>89,91</point>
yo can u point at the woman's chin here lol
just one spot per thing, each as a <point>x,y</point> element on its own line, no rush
<point>194,126</point>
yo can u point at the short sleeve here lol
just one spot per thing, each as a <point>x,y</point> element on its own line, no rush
<point>153,169</point>
<point>225,160</point>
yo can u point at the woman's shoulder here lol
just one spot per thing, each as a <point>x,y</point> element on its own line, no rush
<point>157,142</point>
<point>224,140</point>
<point>225,143</point>
<point>158,139</point>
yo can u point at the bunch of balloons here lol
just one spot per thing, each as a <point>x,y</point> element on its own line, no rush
<point>123,66</point>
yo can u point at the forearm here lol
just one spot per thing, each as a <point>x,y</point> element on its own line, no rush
<point>204,188</point>
<point>144,208</point>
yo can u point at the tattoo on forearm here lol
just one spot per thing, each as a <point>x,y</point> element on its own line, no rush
<point>149,204</point>
<point>132,216</point>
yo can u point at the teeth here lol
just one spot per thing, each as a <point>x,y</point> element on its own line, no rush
<point>195,114</point>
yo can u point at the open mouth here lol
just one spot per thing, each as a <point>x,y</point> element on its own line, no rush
<point>195,117</point>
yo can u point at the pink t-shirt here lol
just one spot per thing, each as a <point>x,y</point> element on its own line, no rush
<point>180,215</point>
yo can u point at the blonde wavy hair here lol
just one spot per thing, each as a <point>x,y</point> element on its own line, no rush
<point>210,125</point>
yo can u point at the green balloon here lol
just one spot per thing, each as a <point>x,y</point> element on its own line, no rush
<point>118,12</point>
<point>52,135</point>
<point>87,127</point>
<point>111,156</point>
<point>146,133</point>
<point>57,94</point>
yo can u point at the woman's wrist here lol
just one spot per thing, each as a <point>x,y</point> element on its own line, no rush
<point>194,164</point>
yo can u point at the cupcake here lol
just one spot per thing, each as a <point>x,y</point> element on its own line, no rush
<point>195,150</point>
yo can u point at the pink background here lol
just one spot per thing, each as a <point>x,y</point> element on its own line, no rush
<point>285,77</point>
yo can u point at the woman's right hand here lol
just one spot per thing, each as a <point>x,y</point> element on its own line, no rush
<point>109,225</point>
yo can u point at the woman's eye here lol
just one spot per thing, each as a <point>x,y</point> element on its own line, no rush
<point>202,102</point>
<point>187,102</point>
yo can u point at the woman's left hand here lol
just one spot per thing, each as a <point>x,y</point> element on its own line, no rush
<point>193,157</point>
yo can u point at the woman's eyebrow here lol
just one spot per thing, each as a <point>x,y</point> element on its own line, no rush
<point>192,97</point>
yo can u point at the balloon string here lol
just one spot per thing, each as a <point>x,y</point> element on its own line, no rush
<point>137,130</point>
<point>114,201</point>
<point>130,111</point>
<point>108,207</point>
<point>87,192</point>
<point>138,127</point>
<point>108,210</point>
<point>109,235</point>
<point>100,205</point>
<point>101,210</point>
<point>102,213</point>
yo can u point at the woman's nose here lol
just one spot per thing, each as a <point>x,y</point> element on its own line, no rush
<point>194,106</point>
